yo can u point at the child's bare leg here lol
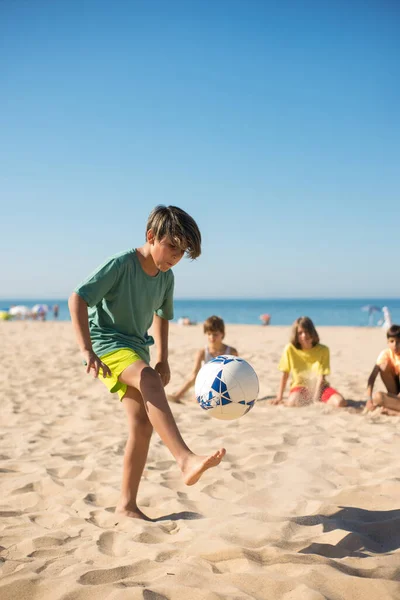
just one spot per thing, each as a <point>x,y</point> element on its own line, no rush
<point>136,450</point>
<point>140,376</point>
<point>337,400</point>
<point>390,379</point>
<point>298,399</point>
<point>389,402</point>
<point>390,412</point>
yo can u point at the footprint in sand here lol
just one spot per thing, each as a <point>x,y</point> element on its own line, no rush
<point>243,475</point>
<point>106,543</point>
<point>280,457</point>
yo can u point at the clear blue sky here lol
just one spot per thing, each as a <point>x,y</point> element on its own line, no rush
<point>276,124</point>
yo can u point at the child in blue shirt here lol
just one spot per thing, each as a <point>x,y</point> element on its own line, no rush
<point>111,312</point>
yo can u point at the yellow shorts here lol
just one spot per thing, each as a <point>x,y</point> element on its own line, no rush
<point>117,361</point>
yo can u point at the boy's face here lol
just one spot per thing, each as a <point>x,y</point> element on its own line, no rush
<point>165,253</point>
<point>215,337</point>
<point>394,344</point>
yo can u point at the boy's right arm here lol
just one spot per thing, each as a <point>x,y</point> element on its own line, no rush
<point>80,322</point>
<point>371,380</point>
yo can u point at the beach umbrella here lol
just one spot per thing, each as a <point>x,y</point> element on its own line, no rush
<point>371,309</point>
<point>19,311</point>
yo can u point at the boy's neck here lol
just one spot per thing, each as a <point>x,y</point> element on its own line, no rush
<point>146,260</point>
<point>215,348</point>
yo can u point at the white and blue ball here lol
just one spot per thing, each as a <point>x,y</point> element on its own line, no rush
<point>226,387</point>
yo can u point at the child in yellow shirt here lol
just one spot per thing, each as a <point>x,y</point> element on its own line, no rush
<point>308,362</point>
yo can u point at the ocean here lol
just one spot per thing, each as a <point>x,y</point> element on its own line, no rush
<point>333,311</point>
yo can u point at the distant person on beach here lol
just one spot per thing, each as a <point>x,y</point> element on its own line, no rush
<point>388,367</point>
<point>214,329</point>
<point>126,295</point>
<point>307,361</point>
<point>185,321</point>
<point>265,319</point>
<point>55,311</point>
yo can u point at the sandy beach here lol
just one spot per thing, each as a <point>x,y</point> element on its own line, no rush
<point>305,505</point>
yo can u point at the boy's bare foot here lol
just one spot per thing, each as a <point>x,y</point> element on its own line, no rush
<point>132,512</point>
<point>194,466</point>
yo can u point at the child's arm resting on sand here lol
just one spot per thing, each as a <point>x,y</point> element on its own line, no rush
<point>282,386</point>
<point>80,322</point>
<point>369,406</point>
<point>190,381</point>
<point>371,380</point>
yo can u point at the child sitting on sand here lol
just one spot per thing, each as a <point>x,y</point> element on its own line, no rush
<point>308,362</point>
<point>214,329</point>
<point>125,296</point>
<point>388,367</point>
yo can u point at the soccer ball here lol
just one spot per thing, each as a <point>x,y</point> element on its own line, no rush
<point>226,387</point>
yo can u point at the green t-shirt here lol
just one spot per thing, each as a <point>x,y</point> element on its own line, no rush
<point>122,300</point>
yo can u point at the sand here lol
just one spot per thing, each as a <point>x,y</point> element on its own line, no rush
<point>305,505</point>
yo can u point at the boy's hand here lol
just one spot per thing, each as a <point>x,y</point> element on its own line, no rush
<point>94,364</point>
<point>162,369</point>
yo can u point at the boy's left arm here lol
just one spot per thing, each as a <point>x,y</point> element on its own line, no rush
<point>161,328</point>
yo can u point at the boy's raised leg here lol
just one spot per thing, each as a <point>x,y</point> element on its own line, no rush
<point>142,377</point>
<point>390,379</point>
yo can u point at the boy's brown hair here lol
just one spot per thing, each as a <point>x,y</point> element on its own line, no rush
<point>393,332</point>
<point>308,326</point>
<point>174,223</point>
<point>214,324</point>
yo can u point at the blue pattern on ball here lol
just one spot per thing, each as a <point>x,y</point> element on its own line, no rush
<point>218,397</point>
<point>225,359</point>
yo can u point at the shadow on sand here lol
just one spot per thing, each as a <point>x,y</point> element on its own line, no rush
<point>371,532</point>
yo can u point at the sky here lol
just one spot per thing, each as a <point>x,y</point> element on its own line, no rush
<point>275,124</point>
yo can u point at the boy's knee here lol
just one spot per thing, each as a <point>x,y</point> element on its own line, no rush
<point>141,425</point>
<point>378,399</point>
<point>150,378</point>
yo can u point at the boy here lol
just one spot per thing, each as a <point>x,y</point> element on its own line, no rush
<point>125,295</point>
<point>388,366</point>
<point>214,329</point>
